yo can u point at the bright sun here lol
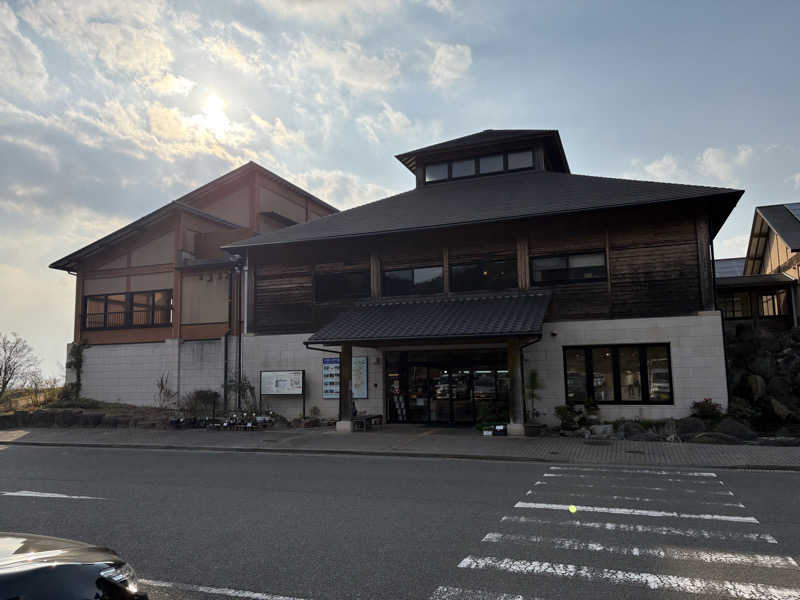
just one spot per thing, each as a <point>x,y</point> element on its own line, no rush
<point>214,111</point>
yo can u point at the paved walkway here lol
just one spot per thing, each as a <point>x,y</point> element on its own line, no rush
<point>407,440</point>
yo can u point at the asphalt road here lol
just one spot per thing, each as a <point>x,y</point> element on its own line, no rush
<point>221,525</point>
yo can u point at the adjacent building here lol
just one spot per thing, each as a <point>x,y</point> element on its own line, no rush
<point>437,305</point>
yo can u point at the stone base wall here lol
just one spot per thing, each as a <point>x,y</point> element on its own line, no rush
<point>696,348</point>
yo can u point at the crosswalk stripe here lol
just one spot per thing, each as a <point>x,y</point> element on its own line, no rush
<point>215,591</point>
<point>644,488</point>
<point>626,478</point>
<point>638,512</point>
<point>455,593</point>
<point>648,529</point>
<point>634,498</point>
<point>637,471</point>
<point>732,558</point>
<point>690,585</point>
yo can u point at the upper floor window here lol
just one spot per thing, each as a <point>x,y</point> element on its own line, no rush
<point>329,287</point>
<point>463,168</point>
<point>436,172</point>
<point>420,280</point>
<point>499,274</point>
<point>131,309</point>
<point>491,164</point>
<point>568,267</point>
<point>520,160</point>
<point>775,304</point>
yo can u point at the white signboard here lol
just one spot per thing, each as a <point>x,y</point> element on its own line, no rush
<point>282,383</point>
<point>330,378</point>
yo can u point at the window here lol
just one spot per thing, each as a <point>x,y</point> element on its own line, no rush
<point>422,280</point>
<point>735,305</point>
<point>568,268</point>
<point>498,274</point>
<point>463,168</point>
<point>330,287</point>
<point>133,309</point>
<point>491,164</point>
<point>520,160</point>
<point>774,305</point>
<point>615,374</point>
<point>436,172</point>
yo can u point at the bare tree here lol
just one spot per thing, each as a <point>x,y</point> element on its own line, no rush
<point>17,361</point>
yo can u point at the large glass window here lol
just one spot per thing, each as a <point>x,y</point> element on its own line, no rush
<point>436,172</point>
<point>491,164</point>
<point>520,160</point>
<point>132,309</point>
<point>421,280</point>
<point>614,374</point>
<point>774,305</point>
<point>463,168</point>
<point>568,268</point>
<point>735,305</point>
<point>330,287</point>
<point>500,274</point>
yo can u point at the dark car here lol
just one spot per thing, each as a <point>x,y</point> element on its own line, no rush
<point>35,567</point>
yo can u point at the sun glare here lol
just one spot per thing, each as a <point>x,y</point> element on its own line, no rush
<point>214,111</point>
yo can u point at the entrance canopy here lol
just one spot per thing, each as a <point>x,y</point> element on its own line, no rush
<point>469,317</point>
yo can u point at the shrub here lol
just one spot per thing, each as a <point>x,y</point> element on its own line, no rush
<point>567,415</point>
<point>199,403</point>
<point>707,410</point>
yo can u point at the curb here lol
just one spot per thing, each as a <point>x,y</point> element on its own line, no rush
<point>387,453</point>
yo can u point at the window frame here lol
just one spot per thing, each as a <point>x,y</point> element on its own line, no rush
<point>532,270</point>
<point>128,312</point>
<point>478,263</point>
<point>413,282</point>
<point>617,401</point>
<point>477,160</point>
<point>345,298</point>
<point>722,298</point>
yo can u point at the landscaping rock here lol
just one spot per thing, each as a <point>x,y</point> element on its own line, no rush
<point>756,387</point>
<point>689,426</point>
<point>67,418</point>
<point>602,431</point>
<point>733,427</point>
<point>762,364</point>
<point>42,418</point>
<point>90,419</point>
<point>631,428</point>
<point>780,409</point>
<point>715,437</point>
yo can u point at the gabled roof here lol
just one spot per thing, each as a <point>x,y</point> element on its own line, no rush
<point>494,198</point>
<point>483,138</point>
<point>784,220</point>
<point>729,267</point>
<point>71,261</point>
<point>518,314</point>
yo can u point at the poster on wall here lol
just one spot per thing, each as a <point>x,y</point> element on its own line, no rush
<point>330,378</point>
<point>282,383</point>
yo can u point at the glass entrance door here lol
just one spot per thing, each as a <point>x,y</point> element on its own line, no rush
<point>461,405</point>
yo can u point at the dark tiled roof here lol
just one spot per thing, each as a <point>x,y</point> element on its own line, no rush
<point>782,218</point>
<point>729,267</point>
<point>492,198</point>
<point>443,317</point>
<point>744,281</point>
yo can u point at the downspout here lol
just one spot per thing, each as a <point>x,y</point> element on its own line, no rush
<point>239,343</point>
<point>721,319</point>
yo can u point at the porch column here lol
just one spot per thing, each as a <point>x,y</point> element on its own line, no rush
<point>345,423</point>
<point>516,425</point>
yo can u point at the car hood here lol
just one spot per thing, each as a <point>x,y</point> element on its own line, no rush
<point>21,551</point>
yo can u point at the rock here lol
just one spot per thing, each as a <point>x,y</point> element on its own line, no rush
<point>602,431</point>
<point>740,409</point>
<point>689,426</point>
<point>778,441</point>
<point>715,437</point>
<point>90,419</point>
<point>767,340</point>
<point>780,387</point>
<point>762,364</point>
<point>756,386</point>
<point>733,427</point>
<point>630,428</point>
<point>744,332</point>
<point>42,418</point>
<point>780,410</point>
<point>67,418</point>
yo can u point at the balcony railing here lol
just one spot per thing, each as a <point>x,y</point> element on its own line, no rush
<point>128,320</point>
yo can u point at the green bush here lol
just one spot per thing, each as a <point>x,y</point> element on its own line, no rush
<point>568,417</point>
<point>199,403</point>
<point>707,410</point>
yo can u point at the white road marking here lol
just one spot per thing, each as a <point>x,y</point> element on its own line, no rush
<point>638,512</point>
<point>646,488</point>
<point>686,585</point>
<point>638,471</point>
<point>732,558</point>
<point>625,478</point>
<point>644,500</point>
<point>204,589</point>
<point>454,593</point>
<point>28,494</point>
<point>649,529</point>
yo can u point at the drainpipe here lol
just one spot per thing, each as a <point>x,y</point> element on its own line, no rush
<point>239,344</point>
<point>227,336</point>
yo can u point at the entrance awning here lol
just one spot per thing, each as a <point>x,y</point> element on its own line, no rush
<point>474,316</point>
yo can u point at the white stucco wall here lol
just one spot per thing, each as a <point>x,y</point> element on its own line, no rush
<point>697,352</point>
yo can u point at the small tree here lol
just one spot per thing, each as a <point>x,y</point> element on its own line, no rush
<point>17,362</point>
<point>165,396</point>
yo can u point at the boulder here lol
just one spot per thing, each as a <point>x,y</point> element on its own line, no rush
<point>602,431</point>
<point>744,332</point>
<point>689,426</point>
<point>756,386</point>
<point>90,419</point>
<point>715,437</point>
<point>733,427</point>
<point>779,408</point>
<point>762,364</point>
<point>42,418</point>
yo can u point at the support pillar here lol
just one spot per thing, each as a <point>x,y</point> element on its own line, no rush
<point>516,425</point>
<point>345,423</point>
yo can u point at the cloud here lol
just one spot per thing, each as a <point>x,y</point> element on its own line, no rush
<point>743,154</point>
<point>390,122</point>
<point>46,151</point>
<point>443,6</point>
<point>714,162</point>
<point>21,61</point>
<point>170,85</point>
<point>734,246</point>
<point>279,134</point>
<point>237,46</point>
<point>450,63</point>
<point>355,15</point>
<point>665,168</point>
<point>796,179</point>
<point>344,190</point>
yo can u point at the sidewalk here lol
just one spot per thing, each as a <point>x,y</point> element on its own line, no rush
<point>407,440</point>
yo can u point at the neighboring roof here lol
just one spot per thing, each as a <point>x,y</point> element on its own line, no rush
<point>437,318</point>
<point>69,262</point>
<point>784,220</point>
<point>482,138</point>
<point>729,267</point>
<point>749,281</point>
<point>493,198</point>
<point>242,171</point>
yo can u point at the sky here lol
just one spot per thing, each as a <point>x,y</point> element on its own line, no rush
<point>110,109</point>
